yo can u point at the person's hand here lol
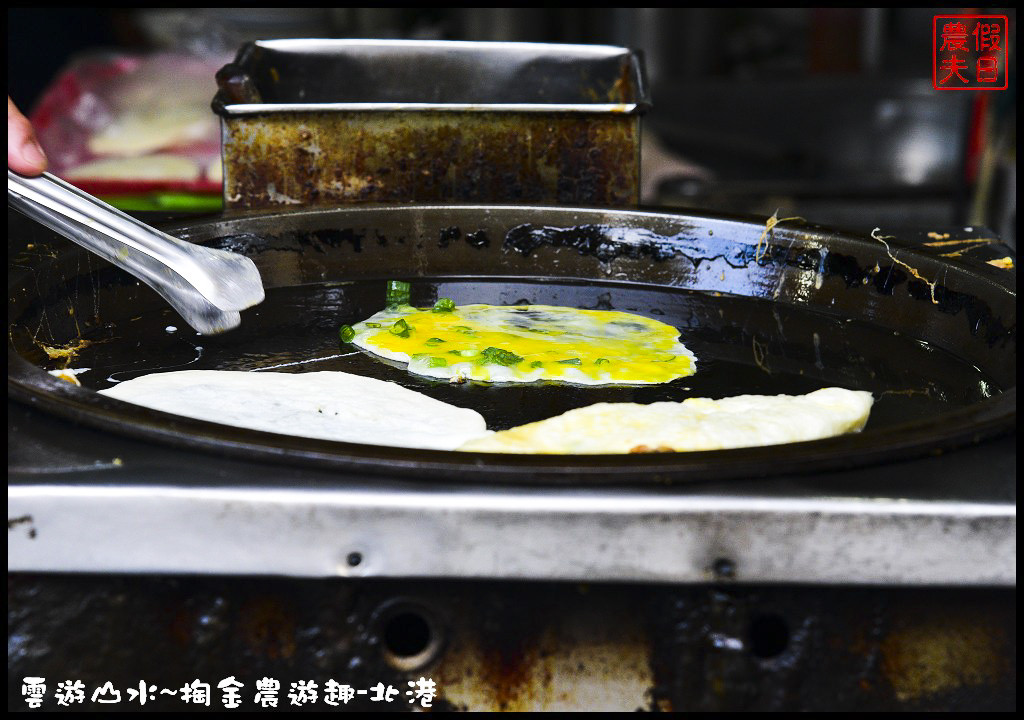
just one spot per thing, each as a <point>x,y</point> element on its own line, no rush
<point>23,152</point>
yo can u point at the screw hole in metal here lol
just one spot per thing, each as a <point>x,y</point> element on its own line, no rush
<point>769,636</point>
<point>410,637</point>
<point>354,559</point>
<point>407,635</point>
<point>723,569</point>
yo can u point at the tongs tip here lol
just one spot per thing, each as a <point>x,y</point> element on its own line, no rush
<point>208,287</point>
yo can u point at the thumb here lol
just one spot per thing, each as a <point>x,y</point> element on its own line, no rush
<point>23,152</point>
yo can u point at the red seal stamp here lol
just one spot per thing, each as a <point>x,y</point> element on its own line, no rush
<point>970,52</point>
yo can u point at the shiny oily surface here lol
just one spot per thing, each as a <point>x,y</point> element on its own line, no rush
<point>744,346</point>
<point>528,343</point>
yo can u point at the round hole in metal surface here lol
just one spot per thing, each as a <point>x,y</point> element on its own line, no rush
<point>354,559</point>
<point>407,634</point>
<point>724,568</point>
<point>769,636</point>
<point>410,639</point>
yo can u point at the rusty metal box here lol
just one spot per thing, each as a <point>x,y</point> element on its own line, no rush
<point>328,122</point>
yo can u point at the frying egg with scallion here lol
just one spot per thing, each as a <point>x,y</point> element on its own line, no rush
<point>525,343</point>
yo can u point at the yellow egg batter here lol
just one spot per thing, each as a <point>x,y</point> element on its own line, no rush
<point>528,343</point>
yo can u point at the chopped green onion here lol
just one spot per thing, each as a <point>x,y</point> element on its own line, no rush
<point>601,361</point>
<point>455,352</point>
<point>536,364</point>
<point>346,333</point>
<point>444,305</point>
<point>462,329</point>
<point>372,325</point>
<point>432,342</point>
<point>571,361</point>
<point>397,293</point>
<point>437,362</point>
<point>400,328</point>
<point>497,356</point>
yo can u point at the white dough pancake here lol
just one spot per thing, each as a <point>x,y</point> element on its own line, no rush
<point>323,405</point>
<point>694,424</point>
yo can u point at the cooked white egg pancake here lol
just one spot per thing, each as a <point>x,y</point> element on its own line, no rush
<point>526,343</point>
<point>694,424</point>
<point>323,405</point>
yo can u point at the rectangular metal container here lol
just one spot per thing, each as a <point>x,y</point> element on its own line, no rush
<point>329,122</point>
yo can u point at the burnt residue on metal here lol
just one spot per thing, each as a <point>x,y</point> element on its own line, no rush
<point>447,235</point>
<point>13,523</point>
<point>522,646</point>
<point>886,278</point>
<point>322,240</point>
<point>603,242</point>
<point>172,631</point>
<point>319,241</point>
<point>289,160</point>
<point>248,244</point>
<point>507,657</point>
<point>478,239</point>
<point>775,649</point>
<point>604,302</point>
<point>608,243</point>
<point>980,318</point>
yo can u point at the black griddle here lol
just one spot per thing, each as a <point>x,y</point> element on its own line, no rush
<point>788,311</point>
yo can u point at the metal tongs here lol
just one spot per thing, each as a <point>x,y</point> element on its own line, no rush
<point>207,287</point>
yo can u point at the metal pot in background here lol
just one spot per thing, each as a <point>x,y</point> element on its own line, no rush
<point>324,122</point>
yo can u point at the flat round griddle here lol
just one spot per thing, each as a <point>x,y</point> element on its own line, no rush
<point>786,311</point>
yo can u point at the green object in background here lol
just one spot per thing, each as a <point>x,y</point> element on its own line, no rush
<point>165,202</point>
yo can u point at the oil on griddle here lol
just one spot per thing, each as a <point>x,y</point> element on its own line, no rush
<point>731,299</point>
<point>743,346</point>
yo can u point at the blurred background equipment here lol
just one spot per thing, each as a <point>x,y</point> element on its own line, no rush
<point>824,113</point>
<point>127,126</point>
